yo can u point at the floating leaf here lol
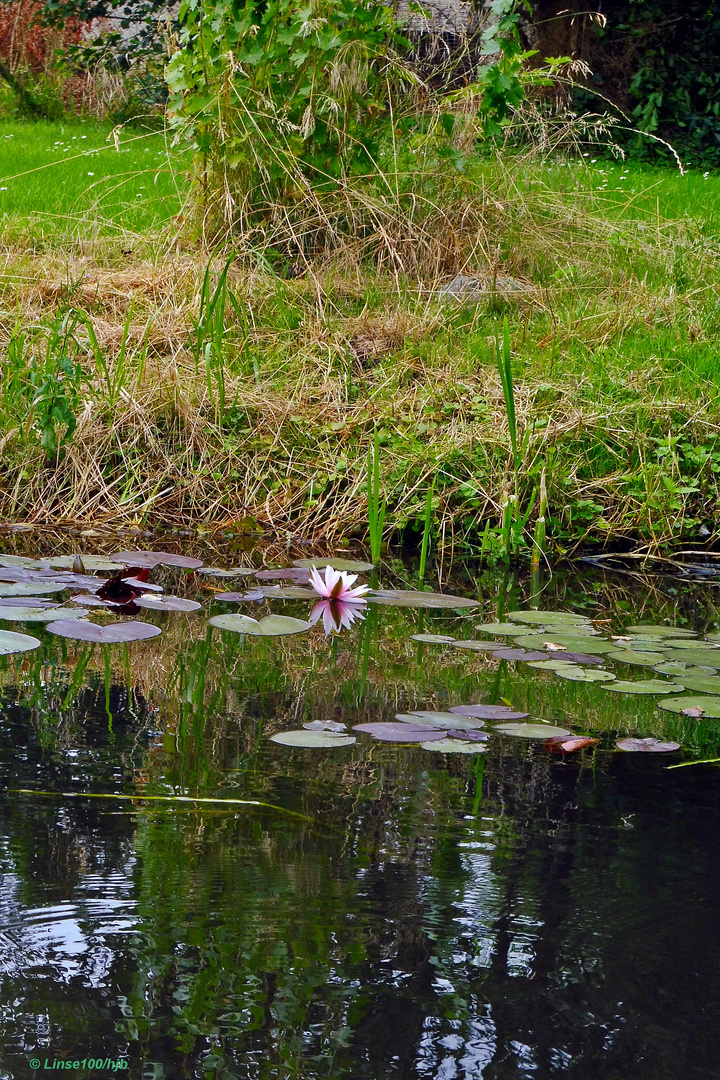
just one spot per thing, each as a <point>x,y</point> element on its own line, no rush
<point>552,665</point>
<point>702,684</point>
<point>167,603</point>
<point>647,746</point>
<point>561,745</point>
<point>236,597</point>
<point>28,602</point>
<point>650,686</point>
<point>312,740</point>
<point>270,626</point>
<point>452,746</point>
<point>15,643</point>
<point>113,633</point>
<point>235,571</point>
<point>506,629</point>
<point>324,725</point>
<point>352,566</point>
<point>713,637</point>
<point>433,639</point>
<point>472,645</point>
<point>467,734</point>
<point>578,674</point>
<point>23,561</point>
<point>709,705</point>
<point>674,667</point>
<point>569,657</point>
<point>408,598</point>
<point>42,614</point>
<point>401,733</point>
<point>442,720</point>
<point>519,654</point>
<point>628,656</point>
<point>531,731</point>
<point>696,646</point>
<point>488,712</point>
<point>593,646</point>
<point>151,559</point>
<point>30,588</point>
<point>547,618</point>
<point>696,657</point>
<point>660,630</point>
<point>287,592</point>
<point>90,562</point>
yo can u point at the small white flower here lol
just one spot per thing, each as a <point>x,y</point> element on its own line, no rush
<point>91,174</point>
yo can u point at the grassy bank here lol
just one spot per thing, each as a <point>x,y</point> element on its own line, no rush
<point>608,276</point>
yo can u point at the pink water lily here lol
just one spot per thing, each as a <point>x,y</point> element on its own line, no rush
<point>336,586</point>
<point>337,615</point>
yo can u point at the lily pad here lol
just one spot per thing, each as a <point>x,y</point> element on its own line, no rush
<point>531,731</point>
<point>650,686</point>
<point>287,592</point>
<point>691,643</point>
<point>659,630</point>
<point>433,639</point>
<point>167,603</point>
<point>594,646</point>
<point>400,733</point>
<point>440,720</point>
<point>467,734</point>
<point>696,657</point>
<point>453,746</point>
<point>675,667</point>
<point>77,630</point>
<point>702,684</point>
<point>324,725</point>
<point>554,664</point>
<point>90,562</point>
<point>411,599</point>
<point>488,712</point>
<point>527,655</point>
<point>578,674</point>
<point>547,618</point>
<point>14,643</point>
<point>505,629</point>
<point>473,645</point>
<point>235,571</point>
<point>43,614</point>
<point>238,597</point>
<point>23,561</point>
<point>561,745</point>
<point>312,740</point>
<point>32,588</point>
<point>28,602</point>
<point>629,656</point>
<point>352,566</point>
<point>270,626</point>
<point>152,559</point>
<point>709,705</point>
<point>647,746</point>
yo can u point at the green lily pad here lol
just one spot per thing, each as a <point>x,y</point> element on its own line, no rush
<point>412,599</point>
<point>288,592</point>
<point>352,566</point>
<point>578,674</point>
<point>312,740</point>
<point>32,588</point>
<point>90,562</point>
<point>433,639</point>
<point>236,571</point>
<point>440,720</point>
<point>690,643</point>
<point>504,629</point>
<point>593,646</point>
<point>675,667</point>
<point>454,746</point>
<point>659,630</point>
<point>551,665</point>
<point>23,561</point>
<point>650,686</point>
<point>547,618</point>
<point>696,657</point>
<point>29,614</point>
<point>15,643</point>
<point>531,731</point>
<point>270,626</point>
<point>709,705</point>
<point>702,684</point>
<point>715,636</point>
<point>641,644</point>
<point>629,656</point>
<point>474,645</point>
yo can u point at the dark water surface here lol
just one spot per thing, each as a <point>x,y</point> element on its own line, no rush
<point>511,914</point>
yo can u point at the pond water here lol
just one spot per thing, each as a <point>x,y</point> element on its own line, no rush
<point>390,911</point>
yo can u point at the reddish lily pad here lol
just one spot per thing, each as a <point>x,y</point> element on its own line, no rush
<point>399,733</point>
<point>647,746</point>
<point>519,654</point>
<point>559,744</point>
<point>488,712</point>
<point>112,634</point>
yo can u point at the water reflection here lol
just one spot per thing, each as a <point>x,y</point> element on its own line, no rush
<point>533,917</point>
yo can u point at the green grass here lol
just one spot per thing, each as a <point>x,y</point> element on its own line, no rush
<point>69,176</point>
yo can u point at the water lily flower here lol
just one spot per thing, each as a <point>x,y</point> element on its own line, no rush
<point>336,586</point>
<point>337,615</point>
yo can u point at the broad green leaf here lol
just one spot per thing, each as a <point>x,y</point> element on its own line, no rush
<point>709,704</point>
<point>312,740</point>
<point>531,731</point>
<point>454,746</point>
<point>650,686</point>
<point>270,626</point>
<point>15,643</point>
